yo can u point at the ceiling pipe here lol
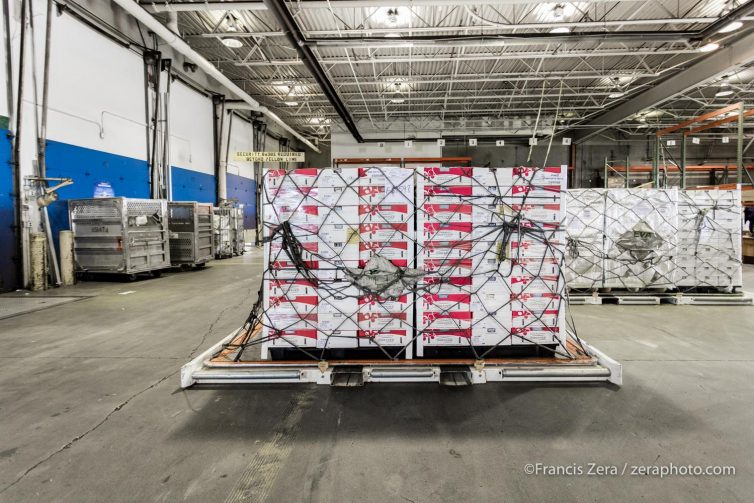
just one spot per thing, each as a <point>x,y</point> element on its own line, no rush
<point>485,28</point>
<point>526,39</point>
<point>298,41</point>
<point>202,5</point>
<point>736,14</point>
<point>182,47</point>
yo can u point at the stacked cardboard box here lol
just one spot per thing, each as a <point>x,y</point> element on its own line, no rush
<point>640,238</point>
<point>340,218</point>
<point>585,222</point>
<point>491,244</point>
<point>709,239</point>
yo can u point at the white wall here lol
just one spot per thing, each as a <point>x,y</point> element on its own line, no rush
<point>344,145</point>
<point>191,129</point>
<point>96,91</point>
<point>241,139</point>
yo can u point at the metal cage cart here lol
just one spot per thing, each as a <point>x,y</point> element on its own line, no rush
<point>118,235</point>
<point>191,233</point>
<point>221,229</point>
<point>237,230</point>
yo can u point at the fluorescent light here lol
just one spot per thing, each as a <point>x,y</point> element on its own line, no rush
<point>231,42</point>
<point>712,46</point>
<point>291,103</point>
<point>397,100</point>
<point>561,29</point>
<point>615,95</point>
<point>723,92</point>
<point>392,34</point>
<point>732,26</point>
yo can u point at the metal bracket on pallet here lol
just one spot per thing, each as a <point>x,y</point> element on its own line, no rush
<point>202,370</point>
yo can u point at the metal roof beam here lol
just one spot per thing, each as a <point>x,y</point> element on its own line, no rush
<point>717,64</point>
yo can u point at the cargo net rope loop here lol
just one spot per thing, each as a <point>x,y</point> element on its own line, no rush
<point>654,239</point>
<point>411,263</point>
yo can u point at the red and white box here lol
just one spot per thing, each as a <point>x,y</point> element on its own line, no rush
<point>536,245</point>
<point>399,253</point>
<point>301,214</point>
<point>450,267</point>
<point>530,283</point>
<point>447,231</point>
<point>375,320</point>
<point>447,176</point>
<point>338,177</point>
<point>299,286</point>
<point>375,213</point>
<point>336,253</point>
<point>305,337</point>
<point>446,193</point>
<point>553,176</point>
<point>444,212</point>
<point>386,185</point>
<point>386,231</point>
<point>335,197</point>
<point>443,337</point>
<point>389,337</point>
<point>341,215</point>
<point>447,249</point>
<point>339,234</point>
<point>524,316</point>
<point>537,334</point>
<point>542,214</point>
<point>337,338</point>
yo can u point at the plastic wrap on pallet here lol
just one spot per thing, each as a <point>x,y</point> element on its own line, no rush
<point>709,239</point>
<point>585,244</point>
<point>654,239</point>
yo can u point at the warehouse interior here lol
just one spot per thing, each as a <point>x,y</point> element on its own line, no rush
<point>178,176</point>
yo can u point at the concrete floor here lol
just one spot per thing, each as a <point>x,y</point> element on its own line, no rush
<point>91,410</point>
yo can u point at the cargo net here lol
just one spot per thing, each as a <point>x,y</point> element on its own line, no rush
<point>411,263</point>
<point>654,239</point>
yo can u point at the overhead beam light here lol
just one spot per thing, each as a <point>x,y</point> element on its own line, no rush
<point>732,26</point>
<point>561,29</point>
<point>291,103</point>
<point>398,100</point>
<point>231,42</point>
<point>712,46</point>
<point>615,95</point>
<point>724,91</point>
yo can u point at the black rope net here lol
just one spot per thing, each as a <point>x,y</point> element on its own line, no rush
<point>654,239</point>
<point>412,262</point>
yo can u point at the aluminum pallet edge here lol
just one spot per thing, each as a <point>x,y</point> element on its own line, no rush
<point>201,371</point>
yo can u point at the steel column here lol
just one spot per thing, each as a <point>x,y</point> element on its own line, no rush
<point>683,162</point>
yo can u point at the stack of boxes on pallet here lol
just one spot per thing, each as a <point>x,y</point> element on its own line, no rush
<point>640,238</point>
<point>653,239</point>
<point>709,239</point>
<point>585,248</point>
<point>489,242</point>
<point>491,246</point>
<point>341,218</point>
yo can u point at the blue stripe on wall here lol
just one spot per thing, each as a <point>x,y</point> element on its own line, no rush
<point>87,167</point>
<point>8,277</point>
<point>192,186</point>
<point>244,190</point>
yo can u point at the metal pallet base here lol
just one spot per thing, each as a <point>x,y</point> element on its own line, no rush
<point>597,367</point>
<point>678,299</point>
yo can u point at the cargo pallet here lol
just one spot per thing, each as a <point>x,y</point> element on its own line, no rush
<point>215,366</point>
<point>655,299</point>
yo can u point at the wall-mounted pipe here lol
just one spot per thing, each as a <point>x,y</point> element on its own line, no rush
<point>182,47</point>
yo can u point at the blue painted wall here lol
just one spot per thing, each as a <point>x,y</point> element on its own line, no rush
<point>245,191</point>
<point>8,276</point>
<point>129,177</point>
<point>192,186</point>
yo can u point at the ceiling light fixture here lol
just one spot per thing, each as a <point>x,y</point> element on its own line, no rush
<point>291,103</point>
<point>712,46</point>
<point>724,91</point>
<point>617,94</point>
<point>561,29</point>
<point>397,101</point>
<point>231,42</point>
<point>732,26</point>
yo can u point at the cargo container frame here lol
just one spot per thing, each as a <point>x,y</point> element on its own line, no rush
<point>126,238</point>
<point>191,235</point>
